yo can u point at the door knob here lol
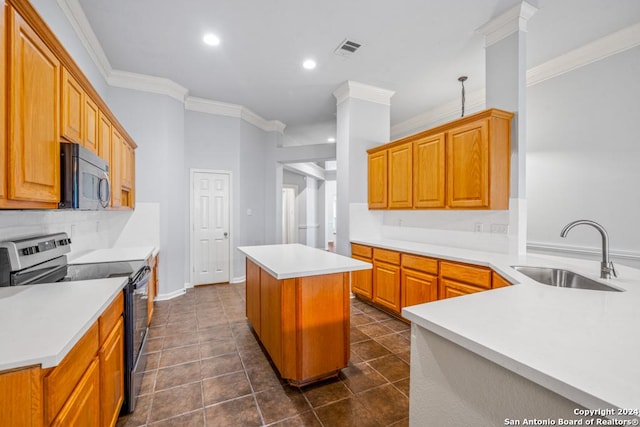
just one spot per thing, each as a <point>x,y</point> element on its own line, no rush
<point>226,234</point>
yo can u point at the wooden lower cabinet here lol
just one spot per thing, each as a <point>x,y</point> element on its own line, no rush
<point>153,287</point>
<point>83,406</point>
<point>85,389</point>
<point>21,397</point>
<point>400,280</point>
<point>112,375</point>
<point>302,322</point>
<point>497,281</point>
<point>386,285</point>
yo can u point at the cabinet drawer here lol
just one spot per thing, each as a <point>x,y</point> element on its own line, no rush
<point>419,263</point>
<point>392,257</point>
<point>452,288</point>
<point>478,276</point>
<point>59,384</point>
<point>361,250</point>
<point>110,317</point>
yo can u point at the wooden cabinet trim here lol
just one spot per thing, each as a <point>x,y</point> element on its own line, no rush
<point>112,373</point>
<point>497,281</point>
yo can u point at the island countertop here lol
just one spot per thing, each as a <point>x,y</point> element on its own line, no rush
<point>295,260</point>
<point>582,344</point>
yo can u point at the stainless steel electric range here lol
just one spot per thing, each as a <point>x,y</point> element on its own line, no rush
<point>42,259</point>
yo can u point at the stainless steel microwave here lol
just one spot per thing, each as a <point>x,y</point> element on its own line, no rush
<point>84,179</point>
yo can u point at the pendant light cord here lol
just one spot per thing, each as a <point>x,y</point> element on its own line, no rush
<point>462,79</point>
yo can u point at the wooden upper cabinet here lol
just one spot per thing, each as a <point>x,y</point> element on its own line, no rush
<point>91,129</point>
<point>377,180</point>
<point>34,116</point>
<point>104,138</point>
<point>4,87</point>
<point>463,164</point>
<point>72,105</point>
<point>400,177</point>
<point>429,172</point>
<point>115,166</point>
<point>468,166</point>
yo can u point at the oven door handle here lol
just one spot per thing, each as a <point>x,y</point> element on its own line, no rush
<point>140,279</point>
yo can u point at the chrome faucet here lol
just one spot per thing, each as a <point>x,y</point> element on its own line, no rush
<point>606,266</point>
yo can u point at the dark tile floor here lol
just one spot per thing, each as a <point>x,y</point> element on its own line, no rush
<point>205,367</point>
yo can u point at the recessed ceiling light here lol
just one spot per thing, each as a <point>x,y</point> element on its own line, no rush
<point>211,39</point>
<point>309,64</point>
<point>331,139</point>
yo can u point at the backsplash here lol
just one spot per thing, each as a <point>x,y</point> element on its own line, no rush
<point>88,230</point>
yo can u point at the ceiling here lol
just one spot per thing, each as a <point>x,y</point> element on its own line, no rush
<point>416,48</point>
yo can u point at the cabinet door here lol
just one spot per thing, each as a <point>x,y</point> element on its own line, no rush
<point>401,176</point>
<point>361,281</point>
<point>451,288</point>
<point>468,166</point>
<point>429,172</point>
<point>271,316</point>
<point>21,398</point>
<point>253,295</point>
<point>91,130</point>
<point>104,138</point>
<point>4,87</point>
<point>386,285</point>
<point>377,170</point>
<point>112,375</point>
<point>83,406</point>
<point>418,287</point>
<point>72,104</point>
<point>116,168</point>
<point>34,116</point>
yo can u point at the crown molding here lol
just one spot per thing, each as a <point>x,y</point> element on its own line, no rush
<point>474,100</point>
<point>351,89</point>
<point>217,108</point>
<point>78,20</point>
<point>264,124</point>
<point>146,83</point>
<point>515,19</point>
<point>609,45</point>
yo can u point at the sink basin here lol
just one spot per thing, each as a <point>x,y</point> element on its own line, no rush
<point>562,278</point>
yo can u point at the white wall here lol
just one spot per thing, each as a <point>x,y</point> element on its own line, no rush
<point>156,123</point>
<point>583,155</point>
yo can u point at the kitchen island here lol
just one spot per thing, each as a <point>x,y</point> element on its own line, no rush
<point>298,305</point>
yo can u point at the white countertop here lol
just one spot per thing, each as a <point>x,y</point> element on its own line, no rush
<point>581,344</point>
<point>41,323</point>
<point>296,260</point>
<point>114,255</point>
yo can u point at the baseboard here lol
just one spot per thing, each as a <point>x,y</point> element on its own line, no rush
<point>188,285</point>
<point>238,279</point>
<point>170,295</point>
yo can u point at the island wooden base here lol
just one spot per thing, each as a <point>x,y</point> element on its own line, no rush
<point>302,322</point>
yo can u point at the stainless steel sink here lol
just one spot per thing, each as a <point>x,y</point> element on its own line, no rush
<point>562,278</point>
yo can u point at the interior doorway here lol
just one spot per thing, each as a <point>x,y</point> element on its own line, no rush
<point>289,214</point>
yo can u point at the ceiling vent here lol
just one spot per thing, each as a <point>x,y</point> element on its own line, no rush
<point>347,48</point>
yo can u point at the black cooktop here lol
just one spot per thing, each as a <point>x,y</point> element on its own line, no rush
<point>103,270</point>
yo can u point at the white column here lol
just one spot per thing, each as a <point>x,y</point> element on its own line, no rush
<point>363,121</point>
<point>506,83</point>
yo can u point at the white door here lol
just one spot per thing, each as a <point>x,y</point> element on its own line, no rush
<point>210,257</point>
